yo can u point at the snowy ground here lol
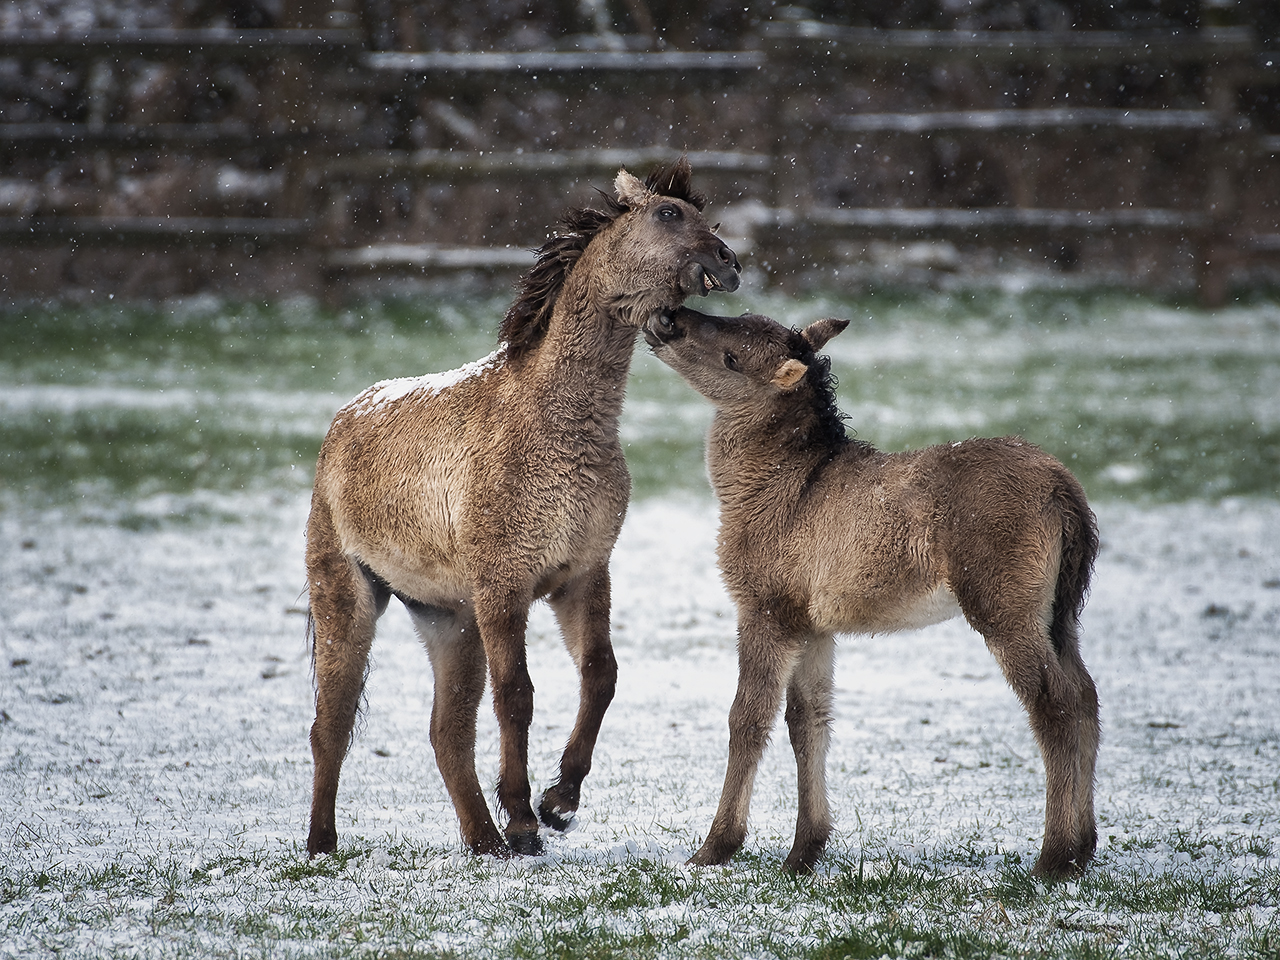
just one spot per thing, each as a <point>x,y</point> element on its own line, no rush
<point>156,699</point>
<point>155,694</point>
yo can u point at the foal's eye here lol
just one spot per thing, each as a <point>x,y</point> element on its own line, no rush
<point>668,211</point>
<point>730,360</point>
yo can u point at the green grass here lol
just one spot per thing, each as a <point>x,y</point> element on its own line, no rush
<point>397,901</point>
<point>1143,399</point>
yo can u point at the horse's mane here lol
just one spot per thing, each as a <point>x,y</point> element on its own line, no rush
<point>527,318</point>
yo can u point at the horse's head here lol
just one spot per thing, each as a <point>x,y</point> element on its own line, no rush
<point>741,361</point>
<point>661,248</point>
<point>648,249</point>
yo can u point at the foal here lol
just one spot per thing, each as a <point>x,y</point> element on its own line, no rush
<point>469,495</point>
<point>822,534</point>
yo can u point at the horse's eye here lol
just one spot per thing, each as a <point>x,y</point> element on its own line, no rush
<point>668,212</point>
<point>664,319</point>
<point>730,360</point>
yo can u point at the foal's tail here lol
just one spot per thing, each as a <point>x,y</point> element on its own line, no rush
<point>1075,569</point>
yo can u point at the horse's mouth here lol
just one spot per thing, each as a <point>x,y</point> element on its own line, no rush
<point>696,278</point>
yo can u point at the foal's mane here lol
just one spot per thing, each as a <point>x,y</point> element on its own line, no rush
<point>829,430</point>
<point>527,318</point>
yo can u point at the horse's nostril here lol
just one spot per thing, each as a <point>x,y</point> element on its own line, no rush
<point>726,255</point>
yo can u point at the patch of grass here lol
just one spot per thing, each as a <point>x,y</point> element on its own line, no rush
<point>391,900</point>
<point>892,937</point>
<point>1143,399</point>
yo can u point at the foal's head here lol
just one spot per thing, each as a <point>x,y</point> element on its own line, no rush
<point>749,365</point>
<point>647,249</point>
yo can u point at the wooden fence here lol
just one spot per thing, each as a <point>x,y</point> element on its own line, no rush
<point>828,151</point>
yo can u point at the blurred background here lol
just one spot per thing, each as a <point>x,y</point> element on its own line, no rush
<point>261,148</point>
<point>220,219</point>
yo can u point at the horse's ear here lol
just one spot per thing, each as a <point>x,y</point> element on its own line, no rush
<point>789,374</point>
<point>820,331</point>
<point>631,191</point>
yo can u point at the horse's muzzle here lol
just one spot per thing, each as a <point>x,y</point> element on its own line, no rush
<point>718,271</point>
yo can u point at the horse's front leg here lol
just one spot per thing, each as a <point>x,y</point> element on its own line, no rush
<point>582,609</point>
<point>766,659</point>
<point>458,663</point>
<point>502,617</point>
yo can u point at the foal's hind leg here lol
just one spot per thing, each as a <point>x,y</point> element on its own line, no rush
<point>345,606</point>
<point>1086,827</point>
<point>457,661</point>
<point>808,717</point>
<point>582,608</point>
<point>1060,717</point>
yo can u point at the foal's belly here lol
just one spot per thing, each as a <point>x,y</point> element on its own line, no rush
<point>876,612</point>
<point>937,605</point>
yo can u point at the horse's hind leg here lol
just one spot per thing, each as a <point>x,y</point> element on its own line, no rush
<point>458,663</point>
<point>808,716</point>
<point>582,608</point>
<point>344,607</point>
<point>1086,827</point>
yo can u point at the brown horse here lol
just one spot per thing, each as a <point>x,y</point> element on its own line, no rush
<point>470,494</point>
<point>821,534</point>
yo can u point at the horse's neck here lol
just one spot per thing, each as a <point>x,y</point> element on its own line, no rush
<point>584,360</point>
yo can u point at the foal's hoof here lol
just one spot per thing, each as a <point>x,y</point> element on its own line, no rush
<point>712,855</point>
<point>526,844</point>
<point>1056,869</point>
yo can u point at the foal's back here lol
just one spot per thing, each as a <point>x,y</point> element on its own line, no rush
<point>876,542</point>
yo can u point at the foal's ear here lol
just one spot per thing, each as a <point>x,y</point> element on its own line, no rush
<point>789,374</point>
<point>820,331</point>
<point>631,191</point>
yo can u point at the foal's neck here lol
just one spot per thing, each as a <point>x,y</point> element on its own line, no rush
<point>771,452</point>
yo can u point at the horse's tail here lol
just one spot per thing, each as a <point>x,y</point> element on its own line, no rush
<point>1075,568</point>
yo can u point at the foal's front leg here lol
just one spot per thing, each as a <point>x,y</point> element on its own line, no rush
<point>582,608</point>
<point>766,658</point>
<point>809,724</point>
<point>502,616</point>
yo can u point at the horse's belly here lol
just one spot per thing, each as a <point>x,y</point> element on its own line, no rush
<point>924,611</point>
<point>441,584</point>
<point>410,541</point>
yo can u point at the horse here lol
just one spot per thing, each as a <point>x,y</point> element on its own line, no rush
<point>470,494</point>
<point>822,534</point>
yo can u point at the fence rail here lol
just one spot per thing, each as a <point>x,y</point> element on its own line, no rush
<point>343,119</point>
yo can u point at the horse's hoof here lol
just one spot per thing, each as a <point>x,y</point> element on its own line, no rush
<point>800,865</point>
<point>526,844</point>
<point>321,841</point>
<point>556,814</point>
<point>558,807</point>
<point>708,856</point>
<point>1056,869</point>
